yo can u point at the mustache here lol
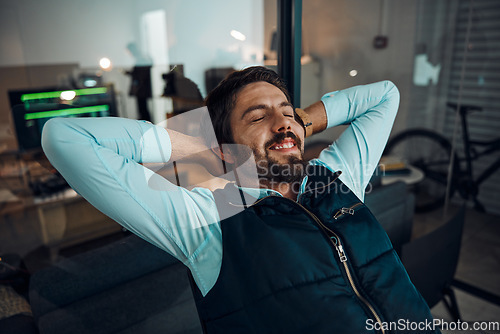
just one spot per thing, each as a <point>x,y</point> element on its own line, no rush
<point>281,136</point>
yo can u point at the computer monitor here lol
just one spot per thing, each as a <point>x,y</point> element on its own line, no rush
<point>32,108</point>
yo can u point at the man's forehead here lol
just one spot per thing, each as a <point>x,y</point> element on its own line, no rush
<point>260,93</point>
<point>260,86</point>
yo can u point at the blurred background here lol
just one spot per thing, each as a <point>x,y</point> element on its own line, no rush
<point>156,59</point>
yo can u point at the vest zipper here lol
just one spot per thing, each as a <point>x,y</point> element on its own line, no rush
<point>343,259</point>
<point>344,211</point>
<point>335,240</point>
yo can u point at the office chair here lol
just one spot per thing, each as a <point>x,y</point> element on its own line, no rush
<point>431,262</point>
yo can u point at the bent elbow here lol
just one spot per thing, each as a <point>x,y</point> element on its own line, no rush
<point>49,132</point>
<point>391,88</point>
<point>53,133</point>
<point>392,94</point>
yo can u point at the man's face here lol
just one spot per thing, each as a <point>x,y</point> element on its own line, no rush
<point>263,120</point>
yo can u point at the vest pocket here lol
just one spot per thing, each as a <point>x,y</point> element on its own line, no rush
<point>347,211</point>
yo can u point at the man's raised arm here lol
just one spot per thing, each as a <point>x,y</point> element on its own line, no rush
<point>370,110</point>
<point>101,159</point>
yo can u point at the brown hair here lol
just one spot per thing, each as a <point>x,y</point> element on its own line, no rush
<point>221,100</point>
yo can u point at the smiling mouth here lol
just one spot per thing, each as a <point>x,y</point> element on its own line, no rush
<point>285,144</point>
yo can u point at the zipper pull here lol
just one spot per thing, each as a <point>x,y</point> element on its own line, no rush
<point>342,256</point>
<point>347,210</point>
<point>340,249</point>
<point>342,212</point>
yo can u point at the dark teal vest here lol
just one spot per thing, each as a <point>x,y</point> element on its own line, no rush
<point>320,265</point>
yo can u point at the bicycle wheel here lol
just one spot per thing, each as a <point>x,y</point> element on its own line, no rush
<point>431,153</point>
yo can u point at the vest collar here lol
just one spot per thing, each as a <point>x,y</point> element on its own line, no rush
<point>315,179</point>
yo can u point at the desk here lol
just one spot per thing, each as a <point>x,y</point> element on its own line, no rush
<point>64,219</point>
<point>414,176</point>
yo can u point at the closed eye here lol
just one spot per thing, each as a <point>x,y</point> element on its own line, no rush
<point>257,119</point>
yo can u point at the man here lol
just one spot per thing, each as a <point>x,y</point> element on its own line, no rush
<point>304,255</point>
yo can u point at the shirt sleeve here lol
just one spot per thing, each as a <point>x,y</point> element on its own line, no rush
<point>370,111</point>
<point>100,159</point>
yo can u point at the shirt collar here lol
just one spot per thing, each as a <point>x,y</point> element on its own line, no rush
<point>263,192</point>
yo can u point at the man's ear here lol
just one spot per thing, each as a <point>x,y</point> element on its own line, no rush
<point>224,156</point>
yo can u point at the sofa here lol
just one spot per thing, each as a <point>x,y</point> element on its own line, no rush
<point>126,287</point>
<point>132,287</point>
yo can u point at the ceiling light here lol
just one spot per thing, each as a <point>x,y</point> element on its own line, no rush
<point>238,35</point>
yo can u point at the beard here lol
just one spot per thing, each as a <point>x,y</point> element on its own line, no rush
<point>271,170</point>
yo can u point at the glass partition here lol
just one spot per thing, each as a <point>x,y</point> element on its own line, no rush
<point>165,54</point>
<point>136,59</point>
<point>442,56</point>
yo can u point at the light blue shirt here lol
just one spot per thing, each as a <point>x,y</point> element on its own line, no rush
<point>100,158</point>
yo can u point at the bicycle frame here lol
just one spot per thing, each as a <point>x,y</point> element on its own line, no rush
<point>471,154</point>
<point>434,161</point>
<point>491,147</point>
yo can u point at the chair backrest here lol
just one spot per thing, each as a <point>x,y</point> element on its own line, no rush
<point>431,260</point>
<point>393,206</point>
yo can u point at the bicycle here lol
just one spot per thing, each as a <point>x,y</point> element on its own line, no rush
<point>431,152</point>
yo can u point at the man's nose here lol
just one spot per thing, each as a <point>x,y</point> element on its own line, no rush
<point>281,123</point>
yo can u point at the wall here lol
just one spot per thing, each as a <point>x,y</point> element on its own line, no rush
<point>49,32</point>
<point>339,35</point>
<point>41,39</point>
<point>59,31</point>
